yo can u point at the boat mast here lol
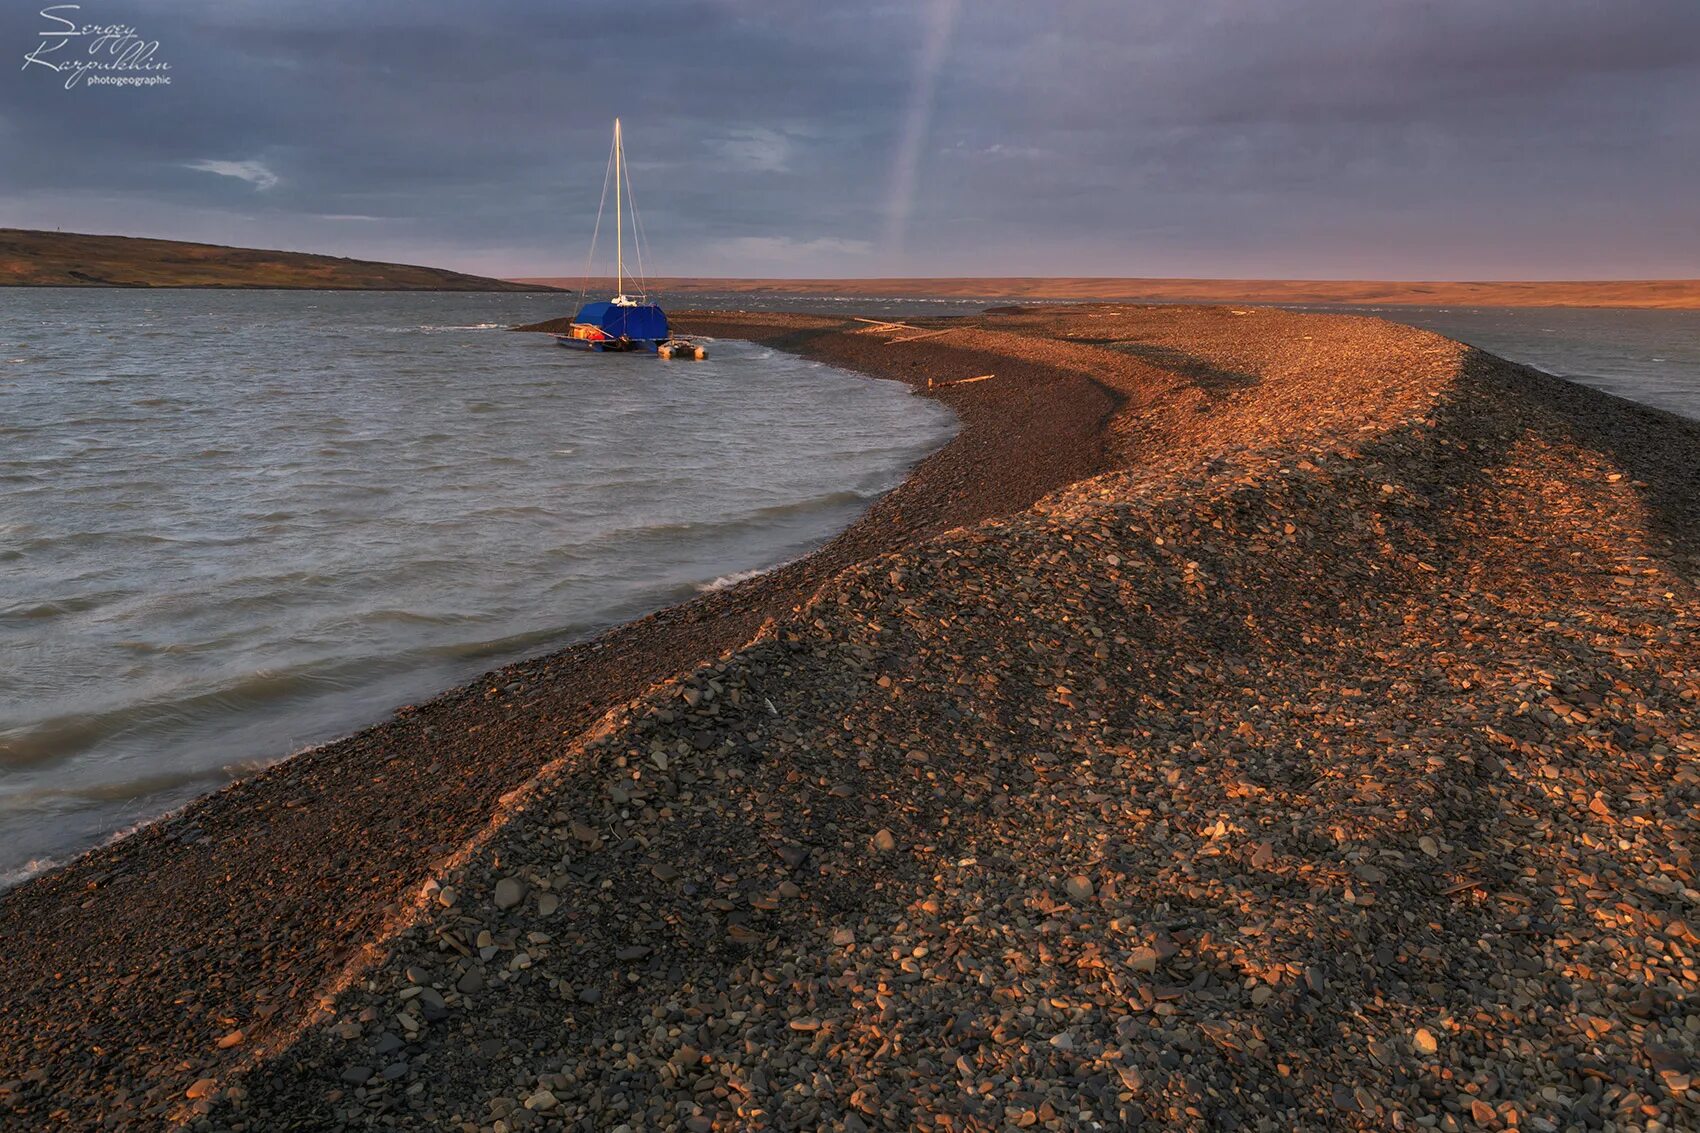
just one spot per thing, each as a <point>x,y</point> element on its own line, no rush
<point>619,226</point>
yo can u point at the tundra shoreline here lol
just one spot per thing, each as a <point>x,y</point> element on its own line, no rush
<point>34,258</point>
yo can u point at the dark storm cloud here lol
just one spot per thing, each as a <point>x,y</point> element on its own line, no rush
<point>1292,137</point>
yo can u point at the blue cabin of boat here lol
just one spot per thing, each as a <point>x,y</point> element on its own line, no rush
<point>644,322</point>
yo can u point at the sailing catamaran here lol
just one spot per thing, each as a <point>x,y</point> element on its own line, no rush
<point>623,323</point>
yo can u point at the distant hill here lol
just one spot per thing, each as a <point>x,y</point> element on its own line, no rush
<point>29,258</point>
<point>1673,294</point>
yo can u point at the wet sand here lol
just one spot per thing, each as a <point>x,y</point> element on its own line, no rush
<point>1318,751</point>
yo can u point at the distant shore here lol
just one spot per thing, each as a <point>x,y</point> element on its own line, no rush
<point>32,258</point>
<point>1247,716</point>
<point>1653,294</point>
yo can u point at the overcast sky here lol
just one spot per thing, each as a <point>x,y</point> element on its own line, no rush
<point>1436,139</point>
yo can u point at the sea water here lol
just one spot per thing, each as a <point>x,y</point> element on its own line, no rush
<point>236,524</point>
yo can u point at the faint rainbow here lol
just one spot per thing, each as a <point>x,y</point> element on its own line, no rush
<point>917,123</point>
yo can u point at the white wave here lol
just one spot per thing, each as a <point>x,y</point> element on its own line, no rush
<point>230,773</point>
<point>12,877</point>
<point>37,866</point>
<point>732,579</point>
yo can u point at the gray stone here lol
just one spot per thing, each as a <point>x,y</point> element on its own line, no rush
<point>510,891</point>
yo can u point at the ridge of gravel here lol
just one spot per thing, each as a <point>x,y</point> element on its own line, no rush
<point>1319,755</point>
<point>1339,774</point>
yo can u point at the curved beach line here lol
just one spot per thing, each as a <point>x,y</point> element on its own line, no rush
<point>1146,519</point>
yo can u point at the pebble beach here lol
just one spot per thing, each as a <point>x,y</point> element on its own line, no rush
<point>1249,720</point>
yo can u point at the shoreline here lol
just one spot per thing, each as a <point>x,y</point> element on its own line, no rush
<point>150,870</point>
<point>1228,468</point>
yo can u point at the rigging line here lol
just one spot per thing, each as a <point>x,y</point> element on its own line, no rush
<point>639,238</point>
<point>638,235</point>
<point>584,281</point>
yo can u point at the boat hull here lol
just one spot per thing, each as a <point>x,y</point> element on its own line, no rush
<point>609,345</point>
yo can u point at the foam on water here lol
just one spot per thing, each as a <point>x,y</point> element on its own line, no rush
<point>727,581</point>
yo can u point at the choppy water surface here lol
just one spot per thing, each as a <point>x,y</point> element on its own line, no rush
<point>236,524</point>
